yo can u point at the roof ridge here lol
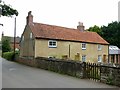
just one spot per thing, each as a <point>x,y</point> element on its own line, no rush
<point>56,26</point>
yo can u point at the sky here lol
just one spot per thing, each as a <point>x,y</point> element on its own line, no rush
<point>65,13</point>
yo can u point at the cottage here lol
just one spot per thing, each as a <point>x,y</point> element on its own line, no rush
<point>43,40</point>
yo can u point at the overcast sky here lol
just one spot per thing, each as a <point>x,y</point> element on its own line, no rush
<point>66,13</point>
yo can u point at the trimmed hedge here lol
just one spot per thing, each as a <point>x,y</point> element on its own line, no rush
<point>8,55</point>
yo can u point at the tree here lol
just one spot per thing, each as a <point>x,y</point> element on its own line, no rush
<point>95,28</point>
<point>111,33</point>
<point>6,45</point>
<point>7,10</point>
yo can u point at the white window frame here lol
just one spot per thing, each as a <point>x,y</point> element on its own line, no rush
<point>83,47</point>
<point>99,58</point>
<point>99,47</point>
<point>83,58</point>
<point>31,35</point>
<point>52,46</point>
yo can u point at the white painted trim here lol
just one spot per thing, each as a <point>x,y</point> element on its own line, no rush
<point>51,46</point>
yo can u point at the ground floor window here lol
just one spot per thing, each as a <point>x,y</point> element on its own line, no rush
<point>99,58</point>
<point>83,58</point>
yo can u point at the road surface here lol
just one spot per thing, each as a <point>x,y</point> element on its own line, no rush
<point>15,75</point>
<point>0,73</point>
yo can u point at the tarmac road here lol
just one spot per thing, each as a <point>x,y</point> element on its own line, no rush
<point>15,75</point>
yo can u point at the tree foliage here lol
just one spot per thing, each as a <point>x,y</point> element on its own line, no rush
<point>111,32</point>
<point>6,45</point>
<point>95,28</point>
<point>7,10</point>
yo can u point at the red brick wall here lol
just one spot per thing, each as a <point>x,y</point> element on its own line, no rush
<point>29,62</point>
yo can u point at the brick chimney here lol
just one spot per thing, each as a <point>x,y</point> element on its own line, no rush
<point>80,26</point>
<point>29,18</point>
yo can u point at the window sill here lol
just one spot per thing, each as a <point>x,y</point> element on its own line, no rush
<point>52,47</point>
<point>83,48</point>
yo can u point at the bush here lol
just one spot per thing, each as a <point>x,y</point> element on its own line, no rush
<point>17,54</point>
<point>8,55</point>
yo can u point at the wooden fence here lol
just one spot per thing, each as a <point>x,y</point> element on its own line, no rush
<point>93,71</point>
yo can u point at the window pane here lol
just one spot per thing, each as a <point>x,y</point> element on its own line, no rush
<point>54,43</point>
<point>50,43</point>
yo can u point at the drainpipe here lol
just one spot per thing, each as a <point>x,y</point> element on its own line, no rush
<point>69,50</point>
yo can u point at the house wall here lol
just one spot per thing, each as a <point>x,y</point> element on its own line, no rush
<point>76,52</point>
<point>27,45</point>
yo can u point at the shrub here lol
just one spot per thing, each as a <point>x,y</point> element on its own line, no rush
<point>6,44</point>
<point>17,54</point>
<point>8,55</point>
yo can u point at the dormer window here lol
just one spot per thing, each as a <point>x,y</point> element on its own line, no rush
<point>52,43</point>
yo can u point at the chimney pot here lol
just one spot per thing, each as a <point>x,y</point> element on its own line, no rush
<point>80,26</point>
<point>29,13</point>
<point>80,23</point>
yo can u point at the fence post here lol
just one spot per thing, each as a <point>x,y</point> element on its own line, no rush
<point>100,71</point>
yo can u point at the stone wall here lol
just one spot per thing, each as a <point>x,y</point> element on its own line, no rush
<point>109,74</point>
<point>68,67</point>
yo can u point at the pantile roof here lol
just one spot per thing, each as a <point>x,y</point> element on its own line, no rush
<point>62,33</point>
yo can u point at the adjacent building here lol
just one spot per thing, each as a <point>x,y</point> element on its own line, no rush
<point>114,54</point>
<point>11,39</point>
<point>43,40</point>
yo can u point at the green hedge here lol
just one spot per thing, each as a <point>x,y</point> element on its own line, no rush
<point>8,55</point>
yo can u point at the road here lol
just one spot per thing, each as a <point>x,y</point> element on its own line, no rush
<point>0,73</point>
<point>15,75</point>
